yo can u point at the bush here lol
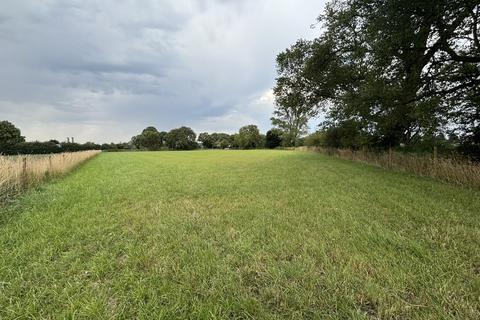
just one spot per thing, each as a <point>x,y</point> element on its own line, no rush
<point>316,139</point>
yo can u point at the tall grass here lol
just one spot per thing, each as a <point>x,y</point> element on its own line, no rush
<point>453,170</point>
<point>20,172</point>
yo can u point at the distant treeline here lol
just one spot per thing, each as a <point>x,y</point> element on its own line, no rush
<point>12,143</point>
<point>37,147</point>
<point>183,138</point>
<point>248,137</point>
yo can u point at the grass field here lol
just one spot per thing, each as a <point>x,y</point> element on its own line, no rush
<point>240,234</point>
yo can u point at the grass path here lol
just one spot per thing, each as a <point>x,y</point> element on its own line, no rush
<point>240,234</point>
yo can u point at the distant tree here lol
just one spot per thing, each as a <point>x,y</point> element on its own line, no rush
<point>149,139</point>
<point>91,146</point>
<point>9,135</point>
<point>234,138</point>
<point>216,140</point>
<point>273,138</point>
<point>248,137</point>
<point>263,140</point>
<point>206,140</point>
<point>226,141</point>
<point>163,138</point>
<point>221,140</point>
<point>116,146</point>
<point>182,138</point>
<point>108,146</point>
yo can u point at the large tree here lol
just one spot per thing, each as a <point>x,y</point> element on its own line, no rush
<point>182,138</point>
<point>402,70</point>
<point>206,140</point>
<point>9,135</point>
<point>221,140</point>
<point>216,140</point>
<point>248,137</point>
<point>149,139</point>
<point>294,103</point>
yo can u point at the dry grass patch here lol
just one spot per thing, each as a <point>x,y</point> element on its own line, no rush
<point>453,170</point>
<point>20,172</point>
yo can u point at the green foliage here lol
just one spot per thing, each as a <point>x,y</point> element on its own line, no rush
<point>316,139</point>
<point>117,146</point>
<point>257,234</point>
<point>163,137</point>
<point>215,140</point>
<point>293,107</point>
<point>262,141</point>
<point>206,140</point>
<point>12,143</point>
<point>249,137</point>
<point>149,139</point>
<point>9,135</point>
<point>300,141</point>
<point>401,70</point>
<point>347,134</point>
<point>273,138</point>
<point>468,126</point>
<point>235,141</point>
<point>182,138</point>
<point>37,147</point>
<point>222,140</point>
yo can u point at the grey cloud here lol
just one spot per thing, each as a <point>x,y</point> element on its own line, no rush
<point>103,70</point>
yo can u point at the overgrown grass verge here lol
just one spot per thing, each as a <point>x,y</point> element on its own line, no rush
<point>20,172</point>
<point>453,170</point>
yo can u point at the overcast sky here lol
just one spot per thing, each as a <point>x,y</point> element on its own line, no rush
<point>103,70</point>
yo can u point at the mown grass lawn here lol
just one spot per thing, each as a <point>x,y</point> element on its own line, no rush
<point>240,234</point>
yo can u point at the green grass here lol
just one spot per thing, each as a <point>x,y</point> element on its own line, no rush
<point>240,234</point>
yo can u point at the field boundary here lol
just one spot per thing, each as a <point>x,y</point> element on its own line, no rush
<point>20,172</point>
<point>452,170</point>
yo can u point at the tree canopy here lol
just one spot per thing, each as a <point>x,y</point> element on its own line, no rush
<point>215,140</point>
<point>149,139</point>
<point>273,138</point>
<point>183,138</point>
<point>398,71</point>
<point>9,135</point>
<point>248,137</point>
